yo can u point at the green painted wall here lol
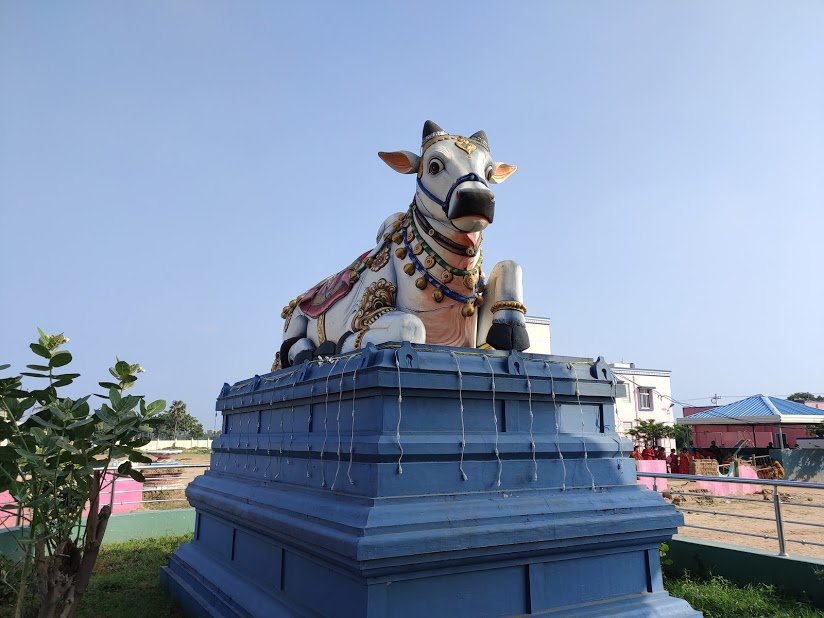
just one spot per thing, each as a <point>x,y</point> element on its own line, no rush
<point>793,575</point>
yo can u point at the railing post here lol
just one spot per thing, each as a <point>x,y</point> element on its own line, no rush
<point>111,496</point>
<point>779,524</point>
<point>654,483</point>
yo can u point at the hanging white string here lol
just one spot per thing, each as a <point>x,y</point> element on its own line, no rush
<point>248,444</point>
<point>340,399</point>
<point>400,414</point>
<point>280,447</point>
<point>292,423</point>
<point>583,427</point>
<point>460,402</point>
<point>309,429</point>
<point>557,413</point>
<point>614,409</point>
<point>325,425</point>
<point>269,432</point>
<point>531,423</point>
<point>352,436</point>
<point>257,442</point>
<point>495,419</point>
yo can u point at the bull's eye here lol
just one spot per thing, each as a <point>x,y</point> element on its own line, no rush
<point>435,166</point>
<point>489,172</point>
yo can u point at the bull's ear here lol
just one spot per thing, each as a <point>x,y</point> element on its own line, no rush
<point>401,161</point>
<point>501,172</point>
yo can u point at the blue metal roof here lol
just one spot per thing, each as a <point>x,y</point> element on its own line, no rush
<point>757,406</point>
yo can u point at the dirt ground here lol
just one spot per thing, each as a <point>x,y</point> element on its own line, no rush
<point>171,489</point>
<point>801,506</point>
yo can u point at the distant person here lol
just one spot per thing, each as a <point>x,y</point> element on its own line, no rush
<point>661,454</point>
<point>672,462</point>
<point>770,445</point>
<point>691,449</point>
<point>684,462</point>
<point>647,454</point>
<point>636,452</point>
<point>716,452</point>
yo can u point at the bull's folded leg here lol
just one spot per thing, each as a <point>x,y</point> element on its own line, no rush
<point>393,326</point>
<point>502,319</point>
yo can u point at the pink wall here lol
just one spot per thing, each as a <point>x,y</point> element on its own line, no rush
<point>127,496</point>
<point>726,436</point>
<point>733,489</point>
<point>652,465</point>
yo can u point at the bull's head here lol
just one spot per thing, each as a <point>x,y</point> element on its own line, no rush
<point>454,174</point>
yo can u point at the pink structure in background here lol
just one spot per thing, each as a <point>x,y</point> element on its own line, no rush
<point>128,494</point>
<point>733,489</point>
<point>652,465</point>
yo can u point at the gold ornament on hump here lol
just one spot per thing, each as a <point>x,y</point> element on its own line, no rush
<point>377,299</point>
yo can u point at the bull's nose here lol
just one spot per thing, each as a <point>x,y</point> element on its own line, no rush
<point>470,201</point>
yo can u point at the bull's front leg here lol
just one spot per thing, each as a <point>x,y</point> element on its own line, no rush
<point>502,318</point>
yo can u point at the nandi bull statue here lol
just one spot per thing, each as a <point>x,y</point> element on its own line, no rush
<point>423,282</point>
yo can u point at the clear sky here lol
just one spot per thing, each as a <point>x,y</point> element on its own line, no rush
<point>172,173</point>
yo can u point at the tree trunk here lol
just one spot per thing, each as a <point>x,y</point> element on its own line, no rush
<point>95,529</point>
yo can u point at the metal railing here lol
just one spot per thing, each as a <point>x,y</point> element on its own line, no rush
<point>12,512</point>
<point>777,518</point>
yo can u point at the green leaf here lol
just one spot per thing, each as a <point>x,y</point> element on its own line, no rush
<point>66,376</point>
<point>39,349</point>
<point>137,475</point>
<point>81,423</point>
<point>39,367</point>
<point>122,369</point>
<point>108,385</point>
<point>60,359</point>
<point>40,421</point>
<point>114,397</point>
<point>140,458</point>
<point>156,407</point>
<point>124,467</point>
<point>6,366</point>
<point>106,414</point>
<point>34,375</point>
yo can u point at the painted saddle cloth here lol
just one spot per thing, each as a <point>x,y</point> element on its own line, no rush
<point>320,298</point>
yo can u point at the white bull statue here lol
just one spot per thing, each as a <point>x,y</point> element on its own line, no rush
<point>423,281</point>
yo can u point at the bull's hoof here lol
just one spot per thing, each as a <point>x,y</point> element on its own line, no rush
<point>301,357</point>
<point>508,336</point>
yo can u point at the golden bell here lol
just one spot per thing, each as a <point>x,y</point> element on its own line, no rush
<point>437,295</point>
<point>429,262</point>
<point>470,281</point>
<point>468,309</point>
<point>354,275</point>
<point>446,276</point>
<point>479,301</point>
<point>417,249</point>
<point>369,261</point>
<point>421,283</point>
<point>293,303</point>
<point>284,313</point>
<point>401,253</point>
<point>409,269</point>
<point>397,238</point>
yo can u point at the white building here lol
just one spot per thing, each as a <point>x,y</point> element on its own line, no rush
<point>648,397</point>
<point>540,339</point>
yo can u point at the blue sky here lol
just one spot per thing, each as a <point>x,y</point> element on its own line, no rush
<point>172,173</point>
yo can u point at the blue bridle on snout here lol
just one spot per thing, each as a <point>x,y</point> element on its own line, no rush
<point>445,202</point>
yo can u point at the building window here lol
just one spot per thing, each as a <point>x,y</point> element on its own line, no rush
<point>627,426</point>
<point>644,398</point>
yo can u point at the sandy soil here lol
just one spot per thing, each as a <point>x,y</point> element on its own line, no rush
<point>801,506</point>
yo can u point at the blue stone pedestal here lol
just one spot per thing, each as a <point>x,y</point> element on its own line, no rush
<point>422,480</point>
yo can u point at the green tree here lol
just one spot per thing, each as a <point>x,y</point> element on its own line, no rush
<point>176,420</point>
<point>682,435</point>
<point>803,396</point>
<point>56,456</point>
<point>650,431</point>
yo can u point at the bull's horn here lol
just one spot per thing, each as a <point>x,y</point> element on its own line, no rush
<point>480,136</point>
<point>429,128</point>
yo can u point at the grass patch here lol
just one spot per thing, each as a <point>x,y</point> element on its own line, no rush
<point>126,580</point>
<point>717,597</point>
